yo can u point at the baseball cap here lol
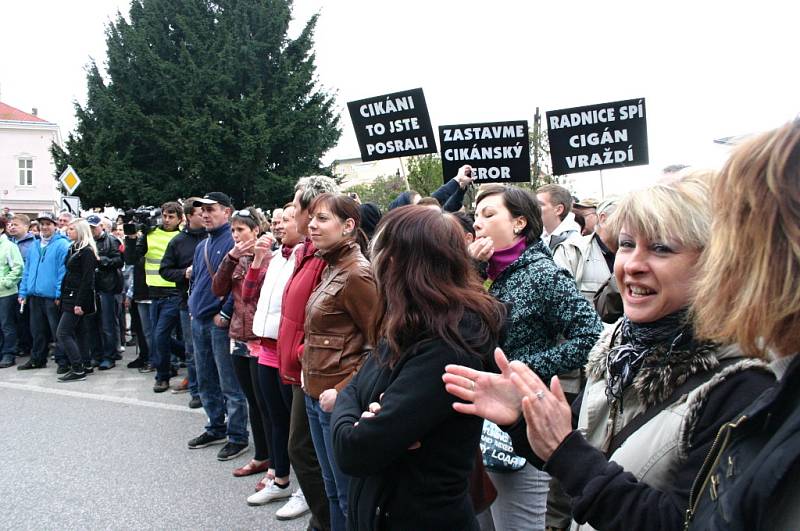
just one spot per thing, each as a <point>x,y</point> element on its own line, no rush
<point>589,202</point>
<point>93,220</point>
<point>48,216</point>
<point>215,197</point>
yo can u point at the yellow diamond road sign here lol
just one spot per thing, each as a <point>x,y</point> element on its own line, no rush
<point>70,180</point>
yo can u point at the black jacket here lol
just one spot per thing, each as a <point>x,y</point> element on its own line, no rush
<point>610,498</point>
<point>178,257</point>
<point>77,287</point>
<point>755,469</point>
<point>393,487</point>
<point>109,266</point>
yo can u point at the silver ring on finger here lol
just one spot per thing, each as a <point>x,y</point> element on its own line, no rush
<point>472,385</point>
<point>539,394</point>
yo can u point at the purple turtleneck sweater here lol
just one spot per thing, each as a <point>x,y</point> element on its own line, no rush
<point>503,258</point>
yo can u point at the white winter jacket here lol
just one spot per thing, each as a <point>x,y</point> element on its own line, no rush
<point>268,310</point>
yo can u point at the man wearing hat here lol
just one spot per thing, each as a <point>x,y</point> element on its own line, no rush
<point>108,283</point>
<point>40,290</point>
<point>588,209</point>
<point>219,389</point>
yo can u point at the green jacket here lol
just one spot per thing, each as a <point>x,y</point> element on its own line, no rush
<point>550,327</point>
<point>10,267</point>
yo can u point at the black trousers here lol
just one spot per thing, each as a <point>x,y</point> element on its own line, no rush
<point>305,462</point>
<point>277,399</point>
<point>73,336</point>
<point>247,374</point>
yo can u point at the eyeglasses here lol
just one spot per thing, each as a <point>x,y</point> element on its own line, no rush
<point>244,213</point>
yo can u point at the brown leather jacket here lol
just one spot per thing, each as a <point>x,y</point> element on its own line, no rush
<point>339,314</point>
<point>229,278</point>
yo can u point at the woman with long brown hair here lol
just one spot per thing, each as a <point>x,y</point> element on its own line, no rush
<point>339,317</point>
<point>410,454</point>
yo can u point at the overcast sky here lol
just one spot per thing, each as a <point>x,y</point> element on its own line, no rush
<point>706,69</point>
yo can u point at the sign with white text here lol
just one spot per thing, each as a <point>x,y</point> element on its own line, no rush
<point>498,151</point>
<point>598,137</point>
<point>392,125</point>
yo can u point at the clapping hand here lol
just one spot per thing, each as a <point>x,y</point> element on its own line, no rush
<point>486,394</point>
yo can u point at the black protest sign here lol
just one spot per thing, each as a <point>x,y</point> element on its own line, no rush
<point>598,137</point>
<point>498,151</point>
<point>393,125</point>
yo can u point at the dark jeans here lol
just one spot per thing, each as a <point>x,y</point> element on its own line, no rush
<point>24,337</point>
<point>246,374</point>
<point>109,331</point>
<point>8,324</point>
<point>219,390</point>
<point>137,328</point>
<point>306,466</point>
<point>73,334</point>
<point>277,399</point>
<point>188,345</point>
<point>44,322</point>
<point>164,318</point>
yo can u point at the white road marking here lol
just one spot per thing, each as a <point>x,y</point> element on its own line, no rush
<point>101,398</point>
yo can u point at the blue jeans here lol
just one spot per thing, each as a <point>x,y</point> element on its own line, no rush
<point>337,482</point>
<point>8,324</point>
<point>109,331</point>
<point>164,318</point>
<point>186,330</point>
<point>44,316</point>
<point>216,381</point>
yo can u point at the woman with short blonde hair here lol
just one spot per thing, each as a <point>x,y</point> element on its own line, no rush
<point>748,294</point>
<point>628,449</point>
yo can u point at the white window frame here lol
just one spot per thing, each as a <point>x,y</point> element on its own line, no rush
<point>25,172</point>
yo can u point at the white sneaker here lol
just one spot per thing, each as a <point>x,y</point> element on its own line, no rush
<point>269,493</point>
<point>294,508</point>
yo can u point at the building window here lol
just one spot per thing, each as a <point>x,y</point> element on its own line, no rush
<point>26,172</point>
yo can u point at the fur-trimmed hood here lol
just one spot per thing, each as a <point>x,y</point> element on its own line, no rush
<point>659,376</point>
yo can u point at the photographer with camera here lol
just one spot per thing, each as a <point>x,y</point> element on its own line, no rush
<point>164,295</point>
<point>108,283</point>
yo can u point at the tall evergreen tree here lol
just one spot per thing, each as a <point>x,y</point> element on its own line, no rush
<point>201,95</point>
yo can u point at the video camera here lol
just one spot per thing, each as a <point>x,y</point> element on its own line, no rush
<point>144,218</point>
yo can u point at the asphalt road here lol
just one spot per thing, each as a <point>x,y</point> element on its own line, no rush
<point>108,453</point>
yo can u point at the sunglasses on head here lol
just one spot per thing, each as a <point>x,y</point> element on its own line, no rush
<point>244,213</point>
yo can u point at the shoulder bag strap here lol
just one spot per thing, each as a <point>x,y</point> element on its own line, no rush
<point>211,270</point>
<point>692,383</point>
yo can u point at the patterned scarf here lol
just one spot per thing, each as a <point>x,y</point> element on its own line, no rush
<point>640,341</point>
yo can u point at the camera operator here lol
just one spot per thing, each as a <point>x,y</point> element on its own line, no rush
<point>108,283</point>
<point>177,267</point>
<point>164,295</point>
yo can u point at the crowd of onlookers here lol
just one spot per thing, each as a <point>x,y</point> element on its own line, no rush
<point>526,361</point>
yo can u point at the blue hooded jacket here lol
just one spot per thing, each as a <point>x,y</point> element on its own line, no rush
<point>25,243</point>
<point>45,268</point>
<point>202,302</point>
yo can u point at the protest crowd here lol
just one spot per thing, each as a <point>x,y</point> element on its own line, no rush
<point>527,361</point>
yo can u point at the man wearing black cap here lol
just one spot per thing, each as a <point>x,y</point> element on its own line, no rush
<point>217,383</point>
<point>40,290</point>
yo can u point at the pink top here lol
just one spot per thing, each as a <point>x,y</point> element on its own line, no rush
<point>266,350</point>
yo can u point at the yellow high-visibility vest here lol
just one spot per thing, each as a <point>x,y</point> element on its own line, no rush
<point>157,241</point>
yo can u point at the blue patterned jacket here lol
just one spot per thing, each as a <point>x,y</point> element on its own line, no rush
<point>550,326</point>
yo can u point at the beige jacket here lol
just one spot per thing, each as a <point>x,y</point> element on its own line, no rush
<point>583,258</point>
